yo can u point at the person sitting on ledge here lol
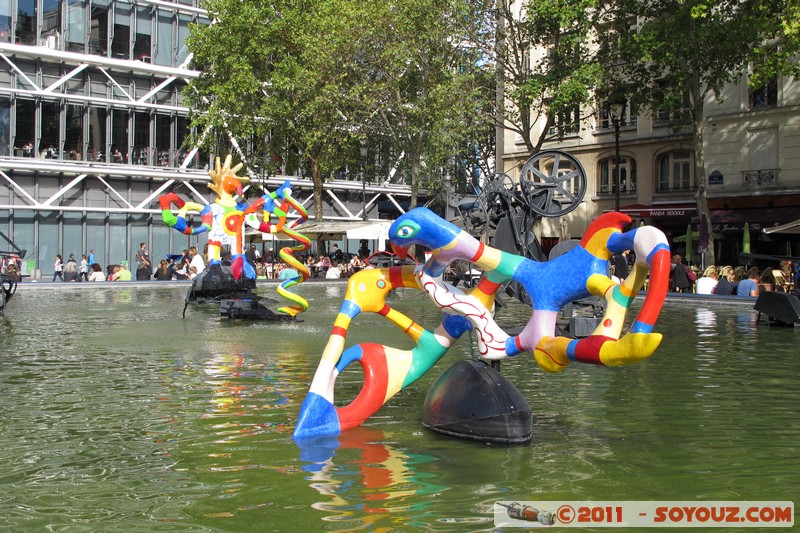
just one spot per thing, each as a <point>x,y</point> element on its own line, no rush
<point>120,274</point>
<point>749,286</point>
<point>97,273</point>
<point>727,281</point>
<point>707,284</point>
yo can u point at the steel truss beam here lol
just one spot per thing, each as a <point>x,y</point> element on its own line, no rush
<point>81,62</point>
<point>190,184</point>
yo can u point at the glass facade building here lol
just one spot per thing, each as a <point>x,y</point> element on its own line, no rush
<point>93,127</point>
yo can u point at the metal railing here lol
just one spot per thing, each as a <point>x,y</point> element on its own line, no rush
<point>761,177</point>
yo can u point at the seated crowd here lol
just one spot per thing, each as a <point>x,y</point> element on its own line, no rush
<point>190,264</point>
<point>738,281</point>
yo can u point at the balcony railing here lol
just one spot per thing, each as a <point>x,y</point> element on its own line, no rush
<point>760,178</point>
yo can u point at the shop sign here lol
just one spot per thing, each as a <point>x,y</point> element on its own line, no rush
<point>731,227</point>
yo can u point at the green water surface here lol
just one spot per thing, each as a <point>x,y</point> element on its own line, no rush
<point>119,415</point>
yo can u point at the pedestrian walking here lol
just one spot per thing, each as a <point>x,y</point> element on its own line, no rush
<point>58,268</point>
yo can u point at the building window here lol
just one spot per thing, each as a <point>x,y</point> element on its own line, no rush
<point>76,25</point>
<point>144,31</point>
<point>566,122</point>
<point>119,136</point>
<point>49,148</point>
<point>97,134</point>
<point>73,143</point>
<point>51,24</point>
<point>26,22</point>
<point>627,176</point>
<point>674,107</point>
<point>5,127</point>
<point>141,139</point>
<point>98,29</point>
<point>25,119</point>
<point>183,34</point>
<point>676,171</point>
<point>165,52</point>
<point>163,141</point>
<point>5,22</point>
<point>121,40</point>
<point>604,120</point>
<point>765,96</point>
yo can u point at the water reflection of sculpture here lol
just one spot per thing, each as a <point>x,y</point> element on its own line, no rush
<point>226,217</point>
<point>578,273</point>
<point>385,477</point>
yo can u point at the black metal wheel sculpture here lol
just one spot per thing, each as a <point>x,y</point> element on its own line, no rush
<point>552,183</point>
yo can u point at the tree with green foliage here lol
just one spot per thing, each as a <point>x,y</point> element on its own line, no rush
<point>547,68</point>
<point>320,78</point>
<point>422,82</point>
<point>273,74</point>
<point>682,53</point>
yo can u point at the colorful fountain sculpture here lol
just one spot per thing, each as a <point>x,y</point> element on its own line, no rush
<point>225,220</point>
<point>581,272</point>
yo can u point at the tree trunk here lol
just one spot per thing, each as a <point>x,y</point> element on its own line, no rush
<point>415,158</point>
<point>701,195</point>
<point>318,181</point>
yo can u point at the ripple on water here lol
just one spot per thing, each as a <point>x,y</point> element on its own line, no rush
<point>121,415</point>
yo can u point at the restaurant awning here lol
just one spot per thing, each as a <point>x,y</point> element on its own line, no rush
<point>764,216</point>
<point>334,230</point>
<point>791,227</point>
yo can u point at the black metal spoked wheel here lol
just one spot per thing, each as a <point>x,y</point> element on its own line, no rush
<point>552,183</point>
<point>482,216</point>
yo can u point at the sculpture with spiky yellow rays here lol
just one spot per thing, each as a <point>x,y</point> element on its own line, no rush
<point>225,221</point>
<point>222,172</point>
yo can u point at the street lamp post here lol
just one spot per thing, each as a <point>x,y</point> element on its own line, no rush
<point>363,150</point>
<point>615,111</point>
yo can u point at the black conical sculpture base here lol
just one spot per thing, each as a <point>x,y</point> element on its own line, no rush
<point>236,298</point>
<point>473,401</point>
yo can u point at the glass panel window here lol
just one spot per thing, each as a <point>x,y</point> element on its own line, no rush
<point>182,143</point>
<point>120,41</point>
<point>138,224</point>
<point>51,23</point>
<point>73,141</point>
<point>675,171</point>
<point>183,34</point>
<point>604,120</point>
<point>117,239</point>
<point>160,246</point>
<point>24,134</point>
<point>765,96</point>
<point>5,21</point>
<point>5,127</point>
<point>163,150</point>
<point>97,134</point>
<point>23,233</point>
<point>119,136</point>
<point>76,25</point>
<point>48,241</point>
<point>50,147</point>
<point>627,176</point>
<point>144,31</point>
<point>26,21</point>
<point>96,236</point>
<point>164,44</point>
<point>566,122</point>
<point>98,29</point>
<point>73,236</point>
<point>141,139</point>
